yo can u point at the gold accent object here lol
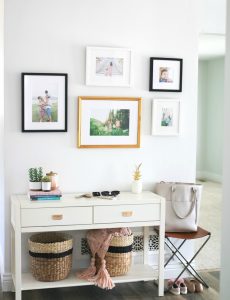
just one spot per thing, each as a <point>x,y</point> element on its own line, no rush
<point>81,99</point>
<point>127,213</point>
<point>57,217</point>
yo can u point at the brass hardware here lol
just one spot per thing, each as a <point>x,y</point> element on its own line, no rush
<point>127,214</point>
<point>57,217</point>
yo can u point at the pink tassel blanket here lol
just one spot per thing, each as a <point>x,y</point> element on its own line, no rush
<point>98,241</point>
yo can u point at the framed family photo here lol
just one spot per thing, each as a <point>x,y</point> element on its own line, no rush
<point>108,66</point>
<point>44,102</point>
<point>109,122</point>
<point>165,74</point>
<point>166,117</point>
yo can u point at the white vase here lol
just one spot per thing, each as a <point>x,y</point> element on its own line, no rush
<point>136,186</point>
<point>46,186</point>
<point>35,186</point>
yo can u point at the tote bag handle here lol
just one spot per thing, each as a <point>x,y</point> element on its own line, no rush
<point>193,202</point>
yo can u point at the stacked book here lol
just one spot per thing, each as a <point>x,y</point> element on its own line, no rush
<point>40,195</point>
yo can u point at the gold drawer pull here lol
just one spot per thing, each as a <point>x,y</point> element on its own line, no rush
<point>57,217</point>
<point>127,214</point>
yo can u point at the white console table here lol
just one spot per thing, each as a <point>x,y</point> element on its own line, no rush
<point>128,210</point>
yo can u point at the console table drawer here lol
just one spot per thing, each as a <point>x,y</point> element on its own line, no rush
<point>126,213</point>
<point>56,216</point>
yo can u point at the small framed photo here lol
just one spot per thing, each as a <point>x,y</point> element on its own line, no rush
<point>166,117</point>
<point>44,102</point>
<point>165,74</point>
<point>108,66</point>
<point>109,122</point>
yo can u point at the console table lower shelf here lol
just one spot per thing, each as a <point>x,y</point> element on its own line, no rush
<point>136,273</point>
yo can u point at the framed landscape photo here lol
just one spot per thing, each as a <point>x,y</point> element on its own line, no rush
<point>108,66</point>
<point>44,102</point>
<point>109,122</point>
<point>166,117</point>
<point>165,74</point>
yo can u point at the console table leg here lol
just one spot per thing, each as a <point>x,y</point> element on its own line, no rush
<point>161,251</point>
<point>18,257</point>
<point>18,294</point>
<point>146,245</point>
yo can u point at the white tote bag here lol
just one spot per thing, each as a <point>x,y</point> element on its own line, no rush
<point>182,205</point>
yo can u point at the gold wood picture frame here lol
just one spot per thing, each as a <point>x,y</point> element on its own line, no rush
<point>109,122</point>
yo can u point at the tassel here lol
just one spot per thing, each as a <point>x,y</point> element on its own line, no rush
<point>90,272</point>
<point>103,279</point>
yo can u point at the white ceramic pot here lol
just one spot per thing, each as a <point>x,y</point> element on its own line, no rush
<point>136,186</point>
<point>35,186</point>
<point>46,186</point>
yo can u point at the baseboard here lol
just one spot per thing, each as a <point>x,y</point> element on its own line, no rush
<point>204,175</point>
<point>7,282</point>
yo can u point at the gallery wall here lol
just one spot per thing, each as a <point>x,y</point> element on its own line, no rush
<point>51,36</point>
<point>210,119</point>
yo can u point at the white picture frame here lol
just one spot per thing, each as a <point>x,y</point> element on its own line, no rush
<point>107,66</point>
<point>166,117</point>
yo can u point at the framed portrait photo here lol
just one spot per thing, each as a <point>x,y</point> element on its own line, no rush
<point>109,122</point>
<point>108,66</point>
<point>165,74</point>
<point>166,117</point>
<point>44,102</point>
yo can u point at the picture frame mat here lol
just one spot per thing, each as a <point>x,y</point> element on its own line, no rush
<point>172,104</point>
<point>93,79</point>
<point>175,65</point>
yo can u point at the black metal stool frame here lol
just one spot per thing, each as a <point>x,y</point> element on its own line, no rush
<point>187,264</point>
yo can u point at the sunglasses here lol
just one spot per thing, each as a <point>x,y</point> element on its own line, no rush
<point>106,193</point>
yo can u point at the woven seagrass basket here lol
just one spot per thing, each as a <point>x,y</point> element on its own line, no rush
<point>50,255</point>
<point>119,255</point>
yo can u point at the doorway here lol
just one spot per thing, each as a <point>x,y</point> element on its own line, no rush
<point>210,142</point>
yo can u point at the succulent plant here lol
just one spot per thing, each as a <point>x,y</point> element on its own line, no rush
<point>35,174</point>
<point>137,172</point>
<point>46,179</point>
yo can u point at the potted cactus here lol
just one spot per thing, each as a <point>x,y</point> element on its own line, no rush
<point>46,184</point>
<point>35,178</point>
<point>137,182</point>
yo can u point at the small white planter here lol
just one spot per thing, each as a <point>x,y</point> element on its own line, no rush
<point>46,186</point>
<point>35,186</point>
<point>137,186</point>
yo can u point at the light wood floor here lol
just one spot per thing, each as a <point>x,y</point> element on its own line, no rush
<point>124,291</point>
<point>210,219</point>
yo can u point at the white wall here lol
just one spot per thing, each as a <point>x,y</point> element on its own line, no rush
<point>225,261</point>
<point>212,16</point>
<point>1,136</point>
<point>51,36</point>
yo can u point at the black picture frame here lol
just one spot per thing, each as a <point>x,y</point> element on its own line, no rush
<point>28,83</point>
<point>155,83</point>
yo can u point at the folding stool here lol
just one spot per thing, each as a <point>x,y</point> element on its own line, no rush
<point>185,236</point>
